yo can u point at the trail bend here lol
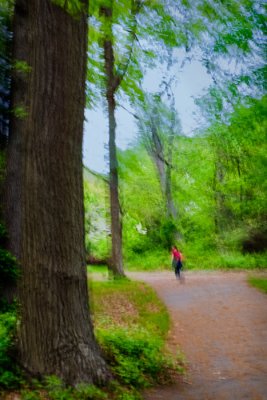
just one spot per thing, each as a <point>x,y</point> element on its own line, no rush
<point>220,324</point>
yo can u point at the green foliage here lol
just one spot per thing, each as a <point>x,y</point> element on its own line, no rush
<point>22,66</point>
<point>151,314</point>
<point>9,372</point>
<point>131,324</point>
<point>88,392</point>
<point>20,112</point>
<point>9,271</point>
<point>167,233</point>
<point>136,357</point>
<point>73,7</point>
<point>259,282</point>
<point>96,215</point>
<point>218,177</point>
<point>151,259</point>
<point>197,259</point>
<point>52,388</point>
<point>133,22</point>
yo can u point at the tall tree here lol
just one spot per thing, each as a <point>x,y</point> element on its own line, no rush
<point>44,191</point>
<point>119,27</point>
<point>113,80</point>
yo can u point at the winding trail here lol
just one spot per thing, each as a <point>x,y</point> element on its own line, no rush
<point>220,324</point>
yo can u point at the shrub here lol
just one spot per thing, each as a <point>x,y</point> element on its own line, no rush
<point>136,358</point>
<point>53,388</point>
<point>9,372</point>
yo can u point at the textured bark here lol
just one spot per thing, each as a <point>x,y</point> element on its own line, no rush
<point>44,200</point>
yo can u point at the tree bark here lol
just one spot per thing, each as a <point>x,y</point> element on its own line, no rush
<point>112,83</point>
<point>44,199</point>
<point>116,224</point>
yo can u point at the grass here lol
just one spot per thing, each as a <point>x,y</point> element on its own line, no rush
<point>158,259</point>
<point>196,259</point>
<point>98,269</point>
<point>128,304</point>
<point>259,282</point>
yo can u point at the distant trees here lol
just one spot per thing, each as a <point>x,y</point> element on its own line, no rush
<point>239,164</point>
<point>226,38</point>
<point>44,209</point>
<point>117,29</point>
<point>159,127</point>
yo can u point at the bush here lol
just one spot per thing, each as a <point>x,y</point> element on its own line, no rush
<point>136,357</point>
<point>9,372</point>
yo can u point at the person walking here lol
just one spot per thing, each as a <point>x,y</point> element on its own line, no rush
<point>177,262</point>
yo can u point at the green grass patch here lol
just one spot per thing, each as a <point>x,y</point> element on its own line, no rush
<point>197,259</point>
<point>97,269</point>
<point>158,259</point>
<point>259,282</point>
<point>225,260</point>
<point>128,304</point>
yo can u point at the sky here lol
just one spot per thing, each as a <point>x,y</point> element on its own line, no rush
<point>190,82</point>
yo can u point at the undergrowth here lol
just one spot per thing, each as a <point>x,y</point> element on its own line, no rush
<point>131,325</point>
<point>196,258</point>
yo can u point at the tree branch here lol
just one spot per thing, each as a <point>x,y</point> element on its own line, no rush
<point>123,67</point>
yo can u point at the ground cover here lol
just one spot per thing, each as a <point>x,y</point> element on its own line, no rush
<point>259,282</point>
<point>131,324</point>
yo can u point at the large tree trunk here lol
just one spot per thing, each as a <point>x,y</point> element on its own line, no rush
<point>44,201</point>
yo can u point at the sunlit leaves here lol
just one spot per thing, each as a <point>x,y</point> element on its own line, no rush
<point>73,7</point>
<point>240,147</point>
<point>141,32</point>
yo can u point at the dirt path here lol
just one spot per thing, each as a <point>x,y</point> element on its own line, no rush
<point>220,323</point>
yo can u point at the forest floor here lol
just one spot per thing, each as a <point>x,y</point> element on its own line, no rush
<point>220,324</point>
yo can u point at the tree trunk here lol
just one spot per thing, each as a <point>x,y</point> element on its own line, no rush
<point>171,209</point>
<point>44,200</point>
<point>221,216</point>
<point>164,167</point>
<point>112,83</point>
<point>116,224</point>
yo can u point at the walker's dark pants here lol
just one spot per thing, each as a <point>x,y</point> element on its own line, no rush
<point>178,268</point>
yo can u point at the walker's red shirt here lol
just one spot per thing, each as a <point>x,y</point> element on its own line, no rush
<point>176,254</point>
